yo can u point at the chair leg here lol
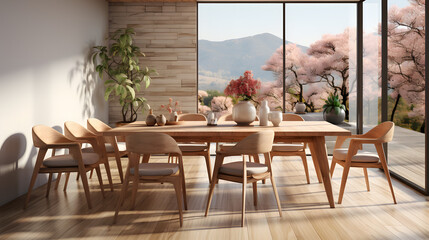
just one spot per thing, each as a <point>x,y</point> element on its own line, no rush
<point>49,185</point>
<point>109,175</point>
<point>67,181</point>
<point>100,180</point>
<point>343,182</point>
<point>123,193</point>
<point>77,176</point>
<point>119,164</point>
<point>178,189</point>
<point>209,166</point>
<point>40,156</point>
<point>85,187</point>
<point>333,163</point>
<point>90,174</point>
<point>255,193</point>
<point>218,163</point>
<point>57,182</point>
<point>182,173</point>
<point>243,199</point>
<point>365,172</point>
<point>380,152</point>
<point>304,163</point>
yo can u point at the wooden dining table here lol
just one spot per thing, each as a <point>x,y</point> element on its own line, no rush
<point>312,132</point>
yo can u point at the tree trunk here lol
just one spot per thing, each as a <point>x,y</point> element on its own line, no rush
<point>300,92</point>
<point>422,128</point>
<point>394,108</point>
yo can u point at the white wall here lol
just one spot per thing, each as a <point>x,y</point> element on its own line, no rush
<point>45,77</point>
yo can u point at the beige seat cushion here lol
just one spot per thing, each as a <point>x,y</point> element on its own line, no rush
<point>156,169</point>
<point>68,161</point>
<point>361,156</point>
<point>192,147</point>
<point>287,147</point>
<point>236,168</point>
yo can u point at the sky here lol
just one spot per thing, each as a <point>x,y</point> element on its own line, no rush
<point>305,23</point>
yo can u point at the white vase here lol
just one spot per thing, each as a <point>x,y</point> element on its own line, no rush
<point>300,107</point>
<point>173,116</point>
<point>243,113</point>
<point>276,118</point>
<point>264,110</point>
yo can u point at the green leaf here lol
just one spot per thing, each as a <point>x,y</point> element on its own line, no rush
<point>110,81</point>
<point>123,92</point>
<point>121,77</point>
<point>107,92</point>
<point>337,110</point>
<point>131,90</point>
<point>147,80</point>
<point>118,89</point>
<point>128,81</point>
<point>138,86</point>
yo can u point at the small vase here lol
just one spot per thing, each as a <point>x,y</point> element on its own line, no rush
<point>173,116</point>
<point>276,118</point>
<point>300,107</point>
<point>150,119</point>
<point>161,120</point>
<point>264,110</point>
<point>243,113</point>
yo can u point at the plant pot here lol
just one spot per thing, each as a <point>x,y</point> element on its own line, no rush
<point>300,107</point>
<point>334,118</point>
<point>243,113</point>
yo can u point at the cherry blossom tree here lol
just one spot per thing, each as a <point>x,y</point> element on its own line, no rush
<point>406,39</point>
<point>330,62</point>
<point>222,104</point>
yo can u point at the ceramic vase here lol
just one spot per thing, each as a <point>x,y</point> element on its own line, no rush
<point>150,119</point>
<point>300,107</point>
<point>161,120</point>
<point>243,113</point>
<point>173,116</point>
<point>334,118</point>
<point>264,110</point>
<point>276,118</point>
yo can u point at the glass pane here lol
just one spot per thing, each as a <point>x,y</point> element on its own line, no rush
<point>321,58</point>
<point>406,84</point>
<point>232,39</point>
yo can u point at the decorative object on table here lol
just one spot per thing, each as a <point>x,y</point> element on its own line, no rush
<point>333,110</point>
<point>124,76</point>
<point>264,110</point>
<point>151,119</point>
<point>211,119</point>
<point>173,110</point>
<point>276,117</point>
<point>243,89</point>
<point>300,108</point>
<point>161,120</point>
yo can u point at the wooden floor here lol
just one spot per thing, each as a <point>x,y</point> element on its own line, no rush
<point>306,213</point>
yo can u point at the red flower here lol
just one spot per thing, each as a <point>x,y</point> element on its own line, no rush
<point>244,87</point>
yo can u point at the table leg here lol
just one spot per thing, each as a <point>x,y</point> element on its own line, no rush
<point>315,161</point>
<point>318,149</point>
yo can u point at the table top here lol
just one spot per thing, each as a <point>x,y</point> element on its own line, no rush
<point>230,129</point>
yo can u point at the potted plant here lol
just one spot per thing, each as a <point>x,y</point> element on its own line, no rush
<point>333,110</point>
<point>243,89</point>
<point>123,74</point>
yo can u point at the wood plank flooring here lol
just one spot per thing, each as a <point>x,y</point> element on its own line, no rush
<point>306,213</point>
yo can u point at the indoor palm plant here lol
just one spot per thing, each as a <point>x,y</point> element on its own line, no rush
<point>333,110</point>
<point>124,76</point>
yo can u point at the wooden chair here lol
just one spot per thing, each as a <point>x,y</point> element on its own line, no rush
<point>78,133</point>
<point>153,143</point>
<point>113,148</point>
<point>352,157</point>
<point>246,172</point>
<point>46,138</point>
<point>292,149</point>
<point>196,149</point>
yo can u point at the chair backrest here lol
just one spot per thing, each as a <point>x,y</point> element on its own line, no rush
<point>292,117</point>
<point>44,135</point>
<point>97,126</point>
<point>383,132</point>
<point>260,142</point>
<point>228,117</point>
<point>74,131</point>
<point>151,143</point>
<point>192,117</point>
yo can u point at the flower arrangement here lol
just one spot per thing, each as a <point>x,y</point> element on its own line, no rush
<point>170,107</point>
<point>244,87</point>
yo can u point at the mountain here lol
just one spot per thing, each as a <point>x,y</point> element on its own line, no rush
<point>219,62</point>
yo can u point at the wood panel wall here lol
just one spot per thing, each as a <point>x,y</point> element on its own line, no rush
<point>167,33</point>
